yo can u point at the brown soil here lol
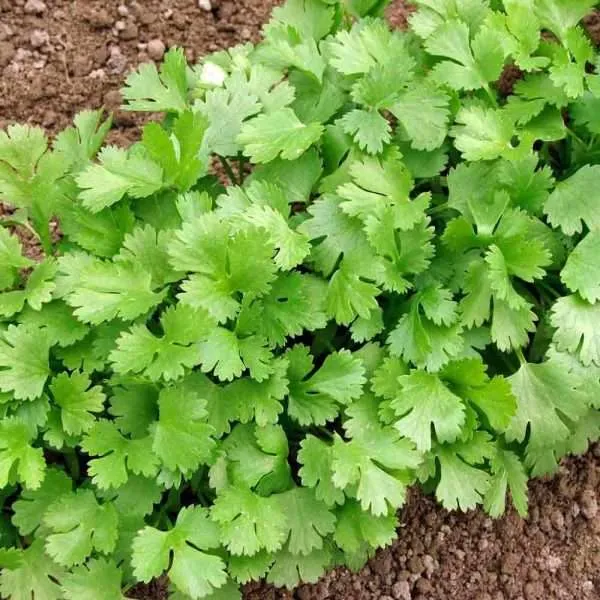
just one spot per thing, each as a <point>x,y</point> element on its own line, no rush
<point>60,56</point>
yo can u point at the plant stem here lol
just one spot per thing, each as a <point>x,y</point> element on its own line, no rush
<point>229,170</point>
<point>72,463</point>
<point>520,356</point>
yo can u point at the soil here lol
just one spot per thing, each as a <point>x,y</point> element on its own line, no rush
<point>60,56</point>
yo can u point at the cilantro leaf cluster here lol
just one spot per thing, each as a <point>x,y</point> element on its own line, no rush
<point>398,284</point>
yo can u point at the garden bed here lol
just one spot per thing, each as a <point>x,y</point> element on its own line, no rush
<point>62,57</point>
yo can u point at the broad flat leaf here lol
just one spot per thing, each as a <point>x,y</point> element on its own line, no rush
<point>462,484</point>
<point>315,399</point>
<point>11,258</point>
<point>80,143</point>
<point>291,569</point>
<point>147,248</point>
<point>423,402</point>
<point>29,509</point>
<point>147,89</point>
<point>582,270</point>
<point>34,576</point>
<point>77,400</point>
<point>79,525</point>
<point>57,321</point>
<point>182,443</point>
<point>249,522</point>
<point>356,529</point>
<point>24,366</point>
<point>423,112</point>
<point>317,470</point>
<point>578,328</point>
<point>102,291</point>
<point>576,200</point>
<point>544,393</point>
<point>141,351</point>
<point>371,464</point>
<point>470,65</point>
<point>193,570</point>
<point>309,520</point>
<point>98,579</point>
<point>370,130</point>
<point>266,137</point>
<point>112,455</point>
<point>19,460</point>
<point>118,174</point>
<point>222,265</point>
<point>508,473</point>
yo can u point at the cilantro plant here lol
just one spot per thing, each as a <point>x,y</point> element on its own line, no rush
<point>399,285</point>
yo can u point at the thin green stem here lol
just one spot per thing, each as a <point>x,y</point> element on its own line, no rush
<point>230,173</point>
<point>491,96</point>
<point>435,210</point>
<point>72,463</point>
<point>241,167</point>
<point>521,356</point>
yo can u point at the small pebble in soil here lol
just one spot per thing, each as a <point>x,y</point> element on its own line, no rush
<point>401,591</point>
<point>589,505</point>
<point>155,49</point>
<point>129,32</point>
<point>38,38</point>
<point>205,5</point>
<point>123,10</point>
<point>35,7</point>
<point>7,51</point>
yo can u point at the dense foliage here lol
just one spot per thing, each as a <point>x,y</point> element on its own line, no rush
<point>225,383</point>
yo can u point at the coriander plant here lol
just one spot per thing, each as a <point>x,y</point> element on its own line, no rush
<point>398,285</point>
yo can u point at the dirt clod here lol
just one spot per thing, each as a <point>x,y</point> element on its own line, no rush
<point>35,7</point>
<point>155,49</point>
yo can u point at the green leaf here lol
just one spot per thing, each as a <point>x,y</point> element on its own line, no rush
<point>57,321</point>
<point>291,569</point>
<point>101,291</point>
<point>222,265</point>
<point>424,402</point>
<point>462,484</point>
<point>423,112</point>
<point>34,576</point>
<point>99,579</point>
<point>309,520</point>
<point>19,461</point>
<point>182,443</point>
<point>140,351</point>
<point>29,509</point>
<point>147,89</point>
<point>469,65</point>
<point>581,273</point>
<point>508,474</point>
<point>578,328</point>
<point>80,143</point>
<point>38,290</point>
<point>267,136</point>
<point>118,173</point>
<point>249,522</point>
<point>113,455</point>
<point>369,129</point>
<point>574,201</point>
<point>316,472</point>
<point>24,366</point>
<point>193,571</point>
<point>545,392</point>
<point>79,525</point>
<point>11,258</point>
<point>314,399</point>
<point>77,401</point>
